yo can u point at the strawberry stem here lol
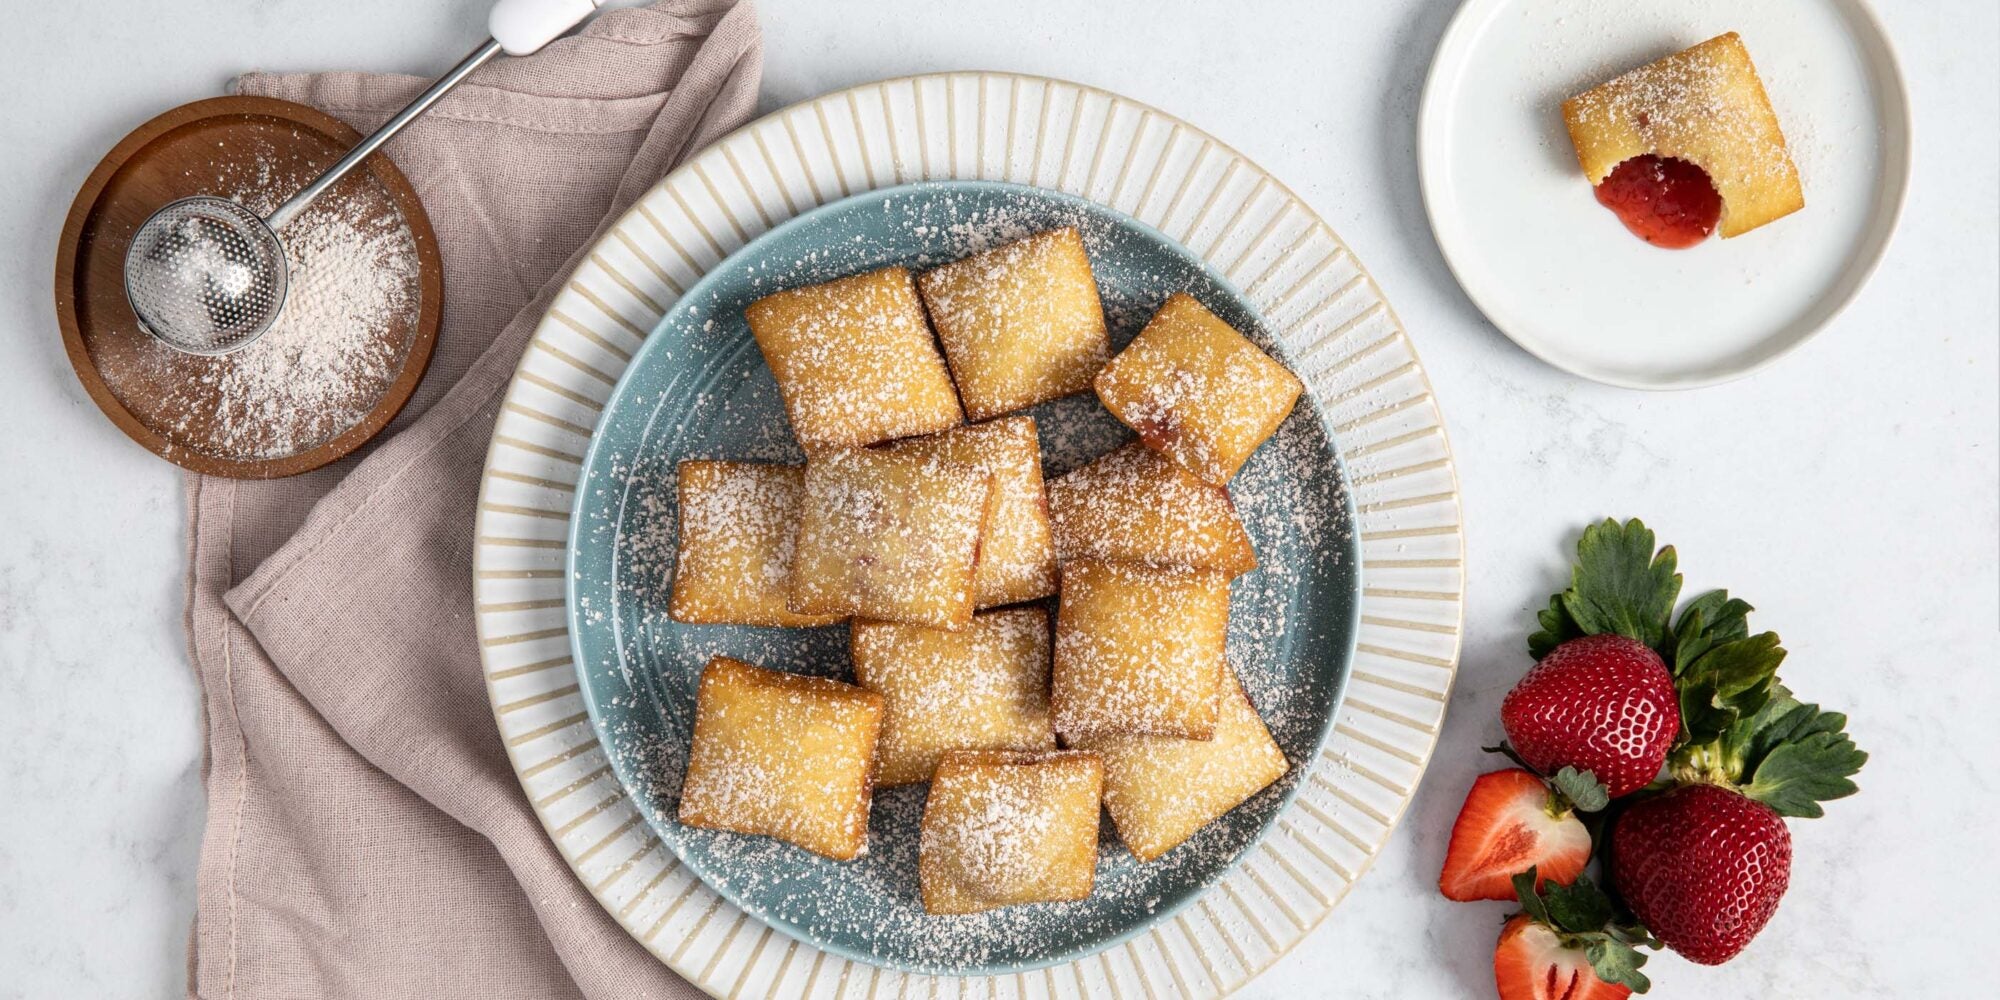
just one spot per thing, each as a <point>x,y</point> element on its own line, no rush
<point>1704,763</point>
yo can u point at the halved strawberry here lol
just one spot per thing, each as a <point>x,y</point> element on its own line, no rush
<point>1511,822</point>
<point>1531,962</point>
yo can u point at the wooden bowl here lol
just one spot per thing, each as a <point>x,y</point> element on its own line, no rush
<point>178,405</point>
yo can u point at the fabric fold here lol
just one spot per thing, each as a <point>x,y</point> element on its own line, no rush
<point>366,836</point>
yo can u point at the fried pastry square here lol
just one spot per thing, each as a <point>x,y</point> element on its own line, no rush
<point>783,756</point>
<point>855,361</point>
<point>1020,323</point>
<point>1139,650</point>
<point>1197,391</point>
<point>983,688</point>
<point>736,531</point>
<point>1705,105</point>
<point>1132,505</point>
<point>892,536</point>
<point>1002,829</point>
<point>1017,556</point>
<point>1161,790</point>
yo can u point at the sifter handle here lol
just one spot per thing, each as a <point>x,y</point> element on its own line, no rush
<point>520,27</point>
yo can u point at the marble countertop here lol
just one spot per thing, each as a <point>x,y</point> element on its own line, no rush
<point>1850,492</point>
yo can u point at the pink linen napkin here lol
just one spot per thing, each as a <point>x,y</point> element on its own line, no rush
<point>365,835</point>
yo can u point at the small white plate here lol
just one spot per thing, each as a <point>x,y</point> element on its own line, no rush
<point>1558,273</point>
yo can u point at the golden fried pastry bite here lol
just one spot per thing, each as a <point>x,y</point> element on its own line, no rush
<point>1133,506</point>
<point>854,360</point>
<point>1139,651</point>
<point>892,536</point>
<point>1160,790</point>
<point>1017,556</point>
<point>1020,323</point>
<point>1002,829</point>
<point>1197,391</point>
<point>1703,106</point>
<point>736,525</point>
<point>783,756</point>
<point>983,688</point>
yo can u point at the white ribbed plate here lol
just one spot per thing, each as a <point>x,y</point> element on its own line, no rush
<point>1353,354</point>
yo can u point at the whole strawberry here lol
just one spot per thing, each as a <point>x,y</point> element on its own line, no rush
<point>1703,867</point>
<point>1599,703</point>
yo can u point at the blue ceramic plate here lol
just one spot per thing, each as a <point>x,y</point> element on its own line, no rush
<point>699,389</point>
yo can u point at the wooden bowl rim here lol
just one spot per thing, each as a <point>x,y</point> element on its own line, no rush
<point>430,276</point>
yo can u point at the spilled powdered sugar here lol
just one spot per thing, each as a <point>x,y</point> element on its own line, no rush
<point>701,393</point>
<point>347,326</point>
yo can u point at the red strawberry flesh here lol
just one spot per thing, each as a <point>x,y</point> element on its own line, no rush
<point>1505,828</point>
<point>1531,963</point>
<point>1703,867</point>
<point>1601,703</point>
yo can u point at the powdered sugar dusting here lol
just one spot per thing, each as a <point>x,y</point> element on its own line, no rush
<point>1709,91</point>
<point>1005,829</point>
<point>349,321</point>
<point>1020,324</point>
<point>713,399</point>
<point>855,360</point>
<point>984,688</point>
<point>1134,506</point>
<point>1017,560</point>
<point>1138,650</point>
<point>892,536</point>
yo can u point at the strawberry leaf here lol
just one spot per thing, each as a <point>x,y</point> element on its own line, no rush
<point>1814,763</point>
<point>1747,742</point>
<point>1616,962</point>
<point>1706,622</point>
<point>1788,755</point>
<point>1557,628</point>
<point>1619,585</point>
<point>1635,935</point>
<point>1798,776</point>
<point>1730,681</point>
<point>1531,901</point>
<point>1577,908</point>
<point>1582,789</point>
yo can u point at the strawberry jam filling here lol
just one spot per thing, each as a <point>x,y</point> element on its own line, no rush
<point>1666,202</point>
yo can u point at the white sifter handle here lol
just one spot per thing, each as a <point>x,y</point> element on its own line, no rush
<point>524,26</point>
<point>520,27</point>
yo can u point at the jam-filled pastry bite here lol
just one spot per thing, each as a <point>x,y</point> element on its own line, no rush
<point>983,688</point>
<point>1133,506</point>
<point>1139,650</point>
<point>1017,557</point>
<point>1021,323</point>
<point>854,360</point>
<point>782,756</point>
<point>1003,829</point>
<point>892,536</point>
<point>737,521</point>
<point>1160,790</point>
<point>1197,391</point>
<point>1645,140</point>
